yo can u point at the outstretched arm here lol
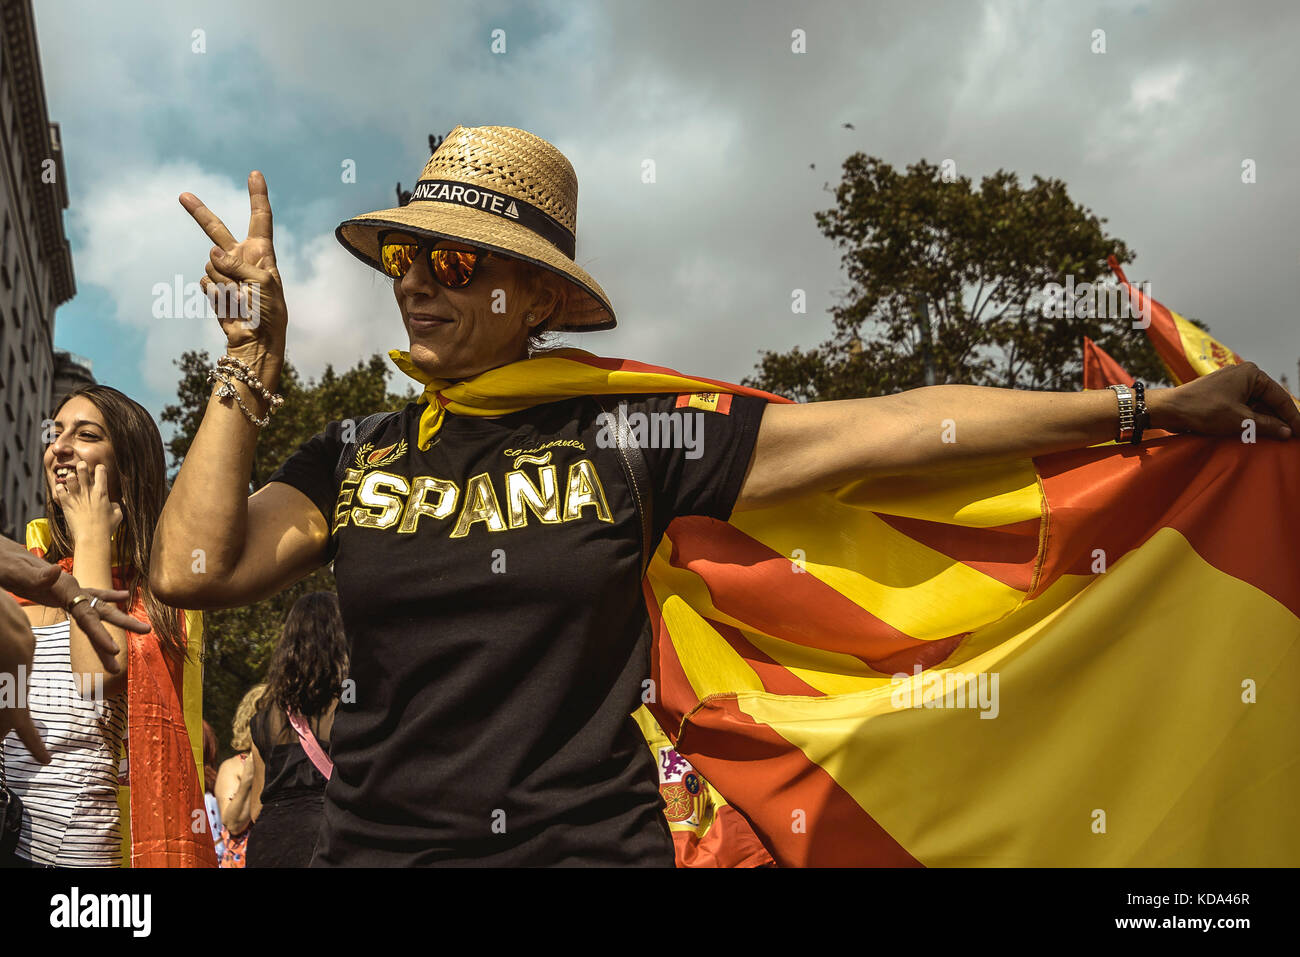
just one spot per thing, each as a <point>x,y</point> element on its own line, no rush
<point>820,445</point>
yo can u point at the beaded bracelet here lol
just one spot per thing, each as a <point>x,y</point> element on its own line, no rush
<point>240,370</point>
<point>226,390</point>
<point>1141,419</point>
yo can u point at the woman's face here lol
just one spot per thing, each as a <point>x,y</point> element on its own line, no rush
<point>79,436</point>
<point>455,334</point>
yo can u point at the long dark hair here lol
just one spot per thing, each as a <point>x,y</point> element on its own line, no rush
<point>310,662</point>
<point>142,480</point>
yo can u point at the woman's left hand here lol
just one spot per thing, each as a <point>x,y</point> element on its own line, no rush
<point>87,510</point>
<point>1223,402</point>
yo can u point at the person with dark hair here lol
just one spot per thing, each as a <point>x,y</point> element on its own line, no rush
<point>303,685</point>
<point>105,485</point>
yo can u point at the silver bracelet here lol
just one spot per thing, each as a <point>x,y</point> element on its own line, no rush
<point>227,390</point>
<point>240,370</point>
<point>1127,411</point>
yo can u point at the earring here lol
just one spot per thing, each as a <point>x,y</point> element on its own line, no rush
<point>531,318</point>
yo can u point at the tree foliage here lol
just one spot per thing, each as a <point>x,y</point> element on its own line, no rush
<point>948,286</point>
<point>239,641</point>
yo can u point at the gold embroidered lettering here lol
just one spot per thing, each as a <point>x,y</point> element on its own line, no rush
<point>416,505</point>
<point>545,504</point>
<point>480,506</point>
<point>370,495</point>
<point>585,489</point>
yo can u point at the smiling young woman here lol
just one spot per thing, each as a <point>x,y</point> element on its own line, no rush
<point>105,485</point>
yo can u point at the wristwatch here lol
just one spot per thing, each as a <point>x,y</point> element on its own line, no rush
<point>1127,410</point>
<point>1133,416</point>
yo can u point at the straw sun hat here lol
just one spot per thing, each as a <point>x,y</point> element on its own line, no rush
<point>502,189</point>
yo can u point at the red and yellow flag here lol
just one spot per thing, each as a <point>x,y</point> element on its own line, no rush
<point>1099,369</point>
<point>164,822</point>
<point>1186,350</point>
<point>707,831</point>
<point>1083,659</point>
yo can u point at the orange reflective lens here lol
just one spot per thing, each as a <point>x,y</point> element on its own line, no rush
<point>453,268</point>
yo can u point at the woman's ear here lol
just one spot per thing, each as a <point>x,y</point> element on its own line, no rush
<point>547,298</point>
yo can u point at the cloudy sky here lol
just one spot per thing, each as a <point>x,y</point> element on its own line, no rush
<point>700,264</point>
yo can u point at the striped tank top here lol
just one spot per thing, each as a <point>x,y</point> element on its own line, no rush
<point>70,814</point>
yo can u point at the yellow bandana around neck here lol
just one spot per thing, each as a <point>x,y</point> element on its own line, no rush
<point>558,374</point>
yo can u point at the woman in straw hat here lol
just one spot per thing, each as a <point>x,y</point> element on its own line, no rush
<point>490,540</point>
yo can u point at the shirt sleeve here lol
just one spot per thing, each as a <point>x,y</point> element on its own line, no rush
<point>698,449</point>
<point>311,471</point>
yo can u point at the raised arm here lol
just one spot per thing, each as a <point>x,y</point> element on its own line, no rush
<point>215,546</point>
<point>820,445</point>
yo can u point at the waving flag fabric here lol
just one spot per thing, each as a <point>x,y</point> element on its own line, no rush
<point>1099,369</point>
<point>1187,351</point>
<point>1111,637</point>
<point>707,831</point>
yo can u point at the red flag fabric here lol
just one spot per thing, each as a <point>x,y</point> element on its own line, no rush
<point>1099,369</point>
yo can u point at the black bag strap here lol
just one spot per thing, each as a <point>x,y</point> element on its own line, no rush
<point>638,478</point>
<point>367,427</point>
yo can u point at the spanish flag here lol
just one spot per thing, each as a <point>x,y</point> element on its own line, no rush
<point>1186,350</point>
<point>164,822</point>
<point>1081,659</point>
<point>706,830</point>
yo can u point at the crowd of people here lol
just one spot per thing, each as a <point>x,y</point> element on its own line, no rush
<point>492,723</point>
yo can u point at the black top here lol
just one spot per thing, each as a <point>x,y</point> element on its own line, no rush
<point>490,589</point>
<point>289,772</point>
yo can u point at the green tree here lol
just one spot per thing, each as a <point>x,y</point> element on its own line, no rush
<point>948,286</point>
<point>239,641</point>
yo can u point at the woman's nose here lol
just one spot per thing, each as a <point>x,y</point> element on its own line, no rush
<point>419,278</point>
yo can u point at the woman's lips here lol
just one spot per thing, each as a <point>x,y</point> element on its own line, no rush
<point>424,323</point>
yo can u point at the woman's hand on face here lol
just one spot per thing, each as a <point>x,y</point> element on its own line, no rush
<point>1222,402</point>
<point>242,282</point>
<point>87,510</point>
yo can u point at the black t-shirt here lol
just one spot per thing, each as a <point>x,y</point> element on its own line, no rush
<point>490,590</point>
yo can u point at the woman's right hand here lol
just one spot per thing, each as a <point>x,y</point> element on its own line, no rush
<point>242,278</point>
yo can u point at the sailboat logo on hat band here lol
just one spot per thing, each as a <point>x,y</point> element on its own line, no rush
<point>500,189</point>
<point>459,193</point>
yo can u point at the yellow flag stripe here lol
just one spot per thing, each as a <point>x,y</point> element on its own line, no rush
<point>909,586</point>
<point>710,663</point>
<point>1111,741</point>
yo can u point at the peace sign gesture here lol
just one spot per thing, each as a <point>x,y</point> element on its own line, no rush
<point>242,283</point>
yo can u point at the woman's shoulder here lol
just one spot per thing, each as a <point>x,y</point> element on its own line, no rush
<point>232,763</point>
